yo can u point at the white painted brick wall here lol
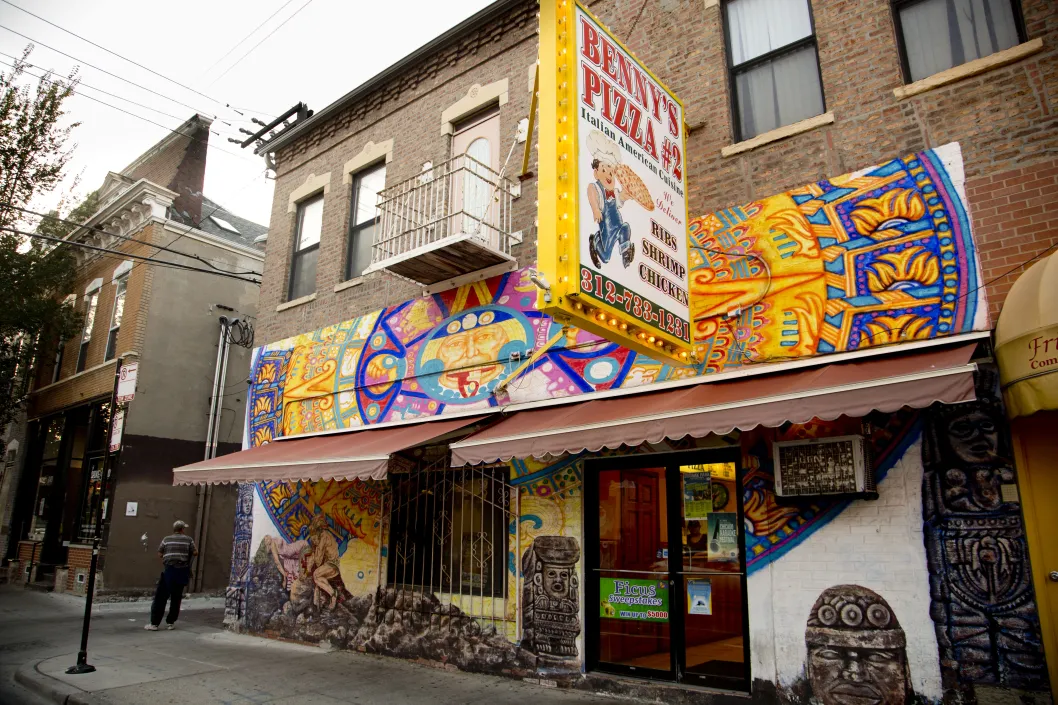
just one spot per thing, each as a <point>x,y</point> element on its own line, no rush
<point>875,544</point>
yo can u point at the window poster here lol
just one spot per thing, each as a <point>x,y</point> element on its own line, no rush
<point>723,537</point>
<point>641,600</point>
<point>699,596</point>
<point>697,495</point>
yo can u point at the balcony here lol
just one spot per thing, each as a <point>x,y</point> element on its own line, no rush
<point>447,226</point>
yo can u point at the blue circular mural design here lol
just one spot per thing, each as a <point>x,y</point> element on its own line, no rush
<point>468,354</point>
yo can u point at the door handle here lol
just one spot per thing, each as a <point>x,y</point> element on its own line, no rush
<point>1054,576</point>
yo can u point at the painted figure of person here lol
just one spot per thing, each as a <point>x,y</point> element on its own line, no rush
<point>606,201</point>
<point>856,649</point>
<point>322,561</point>
<point>287,557</point>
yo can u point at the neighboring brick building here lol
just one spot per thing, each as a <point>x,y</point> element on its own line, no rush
<point>836,118</point>
<point>166,318</point>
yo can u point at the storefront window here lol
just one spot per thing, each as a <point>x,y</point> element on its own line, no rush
<point>449,531</point>
<point>49,464</point>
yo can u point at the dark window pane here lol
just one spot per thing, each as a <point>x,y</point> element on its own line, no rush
<point>759,26</point>
<point>360,241</point>
<point>940,34</point>
<point>303,273</point>
<point>112,344</point>
<point>82,356</point>
<point>778,92</point>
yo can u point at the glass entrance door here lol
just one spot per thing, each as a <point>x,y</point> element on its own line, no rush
<point>667,569</point>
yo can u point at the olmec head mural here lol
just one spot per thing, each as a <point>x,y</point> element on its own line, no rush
<point>856,649</point>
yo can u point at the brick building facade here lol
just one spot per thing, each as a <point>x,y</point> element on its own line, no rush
<point>166,317</point>
<point>351,351</point>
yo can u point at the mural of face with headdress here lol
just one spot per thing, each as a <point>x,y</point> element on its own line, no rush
<point>468,354</point>
<point>856,649</point>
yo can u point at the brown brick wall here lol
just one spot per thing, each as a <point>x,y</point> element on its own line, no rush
<point>180,166</point>
<point>77,558</point>
<point>1004,120</point>
<point>29,551</point>
<point>73,388</point>
<point>1015,217</point>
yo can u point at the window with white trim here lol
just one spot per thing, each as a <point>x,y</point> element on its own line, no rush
<point>771,50</point>
<point>306,248</point>
<point>91,303</point>
<point>936,35</point>
<point>115,317</point>
<point>363,219</point>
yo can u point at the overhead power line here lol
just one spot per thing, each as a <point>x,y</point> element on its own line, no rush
<point>82,84</point>
<point>239,60</point>
<point>114,75</point>
<point>93,228</point>
<point>112,53</point>
<point>127,255</point>
<point>140,117</point>
<point>239,43</point>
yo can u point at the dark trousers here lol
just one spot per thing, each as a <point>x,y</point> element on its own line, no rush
<point>171,586</point>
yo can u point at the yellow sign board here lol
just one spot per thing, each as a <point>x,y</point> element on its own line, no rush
<point>612,241</point>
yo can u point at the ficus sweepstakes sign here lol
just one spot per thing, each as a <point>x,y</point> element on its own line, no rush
<point>613,210</point>
<point>642,600</point>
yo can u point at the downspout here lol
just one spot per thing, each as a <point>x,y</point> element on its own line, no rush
<point>203,490</point>
<point>218,417</point>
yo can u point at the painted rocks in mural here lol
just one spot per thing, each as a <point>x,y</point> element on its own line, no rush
<point>856,649</point>
<point>294,595</point>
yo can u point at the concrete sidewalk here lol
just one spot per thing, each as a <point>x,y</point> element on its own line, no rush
<point>202,663</point>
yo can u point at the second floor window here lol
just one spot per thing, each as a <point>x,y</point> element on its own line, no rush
<point>115,318</point>
<point>57,369</point>
<point>91,302</point>
<point>936,35</point>
<point>306,248</point>
<point>363,219</point>
<point>774,66</point>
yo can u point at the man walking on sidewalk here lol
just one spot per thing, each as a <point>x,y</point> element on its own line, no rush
<point>176,552</point>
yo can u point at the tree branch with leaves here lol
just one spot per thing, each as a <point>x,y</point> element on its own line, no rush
<point>34,152</point>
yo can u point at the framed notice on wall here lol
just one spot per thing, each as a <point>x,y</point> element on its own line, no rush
<point>613,189</point>
<point>824,466</point>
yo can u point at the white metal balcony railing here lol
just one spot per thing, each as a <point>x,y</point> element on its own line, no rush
<point>437,214</point>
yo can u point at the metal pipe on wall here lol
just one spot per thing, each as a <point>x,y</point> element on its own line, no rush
<point>205,492</point>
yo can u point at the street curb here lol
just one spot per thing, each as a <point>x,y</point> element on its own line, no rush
<point>48,687</point>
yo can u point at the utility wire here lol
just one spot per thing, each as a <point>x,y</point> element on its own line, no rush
<point>123,237</point>
<point>82,84</point>
<point>127,255</point>
<point>112,53</point>
<point>239,60</point>
<point>140,117</point>
<point>239,43</point>
<point>120,78</point>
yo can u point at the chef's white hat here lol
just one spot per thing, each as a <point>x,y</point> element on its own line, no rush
<point>603,148</point>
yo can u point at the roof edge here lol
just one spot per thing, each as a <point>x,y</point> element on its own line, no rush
<point>472,22</point>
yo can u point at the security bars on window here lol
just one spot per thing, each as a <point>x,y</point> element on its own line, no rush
<point>448,537</point>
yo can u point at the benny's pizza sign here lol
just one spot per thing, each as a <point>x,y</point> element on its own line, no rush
<point>614,237</point>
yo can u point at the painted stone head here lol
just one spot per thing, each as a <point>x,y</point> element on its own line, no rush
<point>856,649</point>
<point>557,557</point>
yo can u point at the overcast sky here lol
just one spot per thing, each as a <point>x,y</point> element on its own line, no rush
<point>322,52</point>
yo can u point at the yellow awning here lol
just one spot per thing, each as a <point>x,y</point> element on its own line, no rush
<point>1027,340</point>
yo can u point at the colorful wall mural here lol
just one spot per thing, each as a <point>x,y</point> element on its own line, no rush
<point>880,256</point>
<point>876,257</point>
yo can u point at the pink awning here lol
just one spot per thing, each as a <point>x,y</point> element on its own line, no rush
<point>356,455</point>
<point>852,389</point>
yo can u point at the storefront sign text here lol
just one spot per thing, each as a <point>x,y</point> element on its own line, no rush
<point>640,600</point>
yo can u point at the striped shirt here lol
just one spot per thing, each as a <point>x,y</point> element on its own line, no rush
<point>177,550</point>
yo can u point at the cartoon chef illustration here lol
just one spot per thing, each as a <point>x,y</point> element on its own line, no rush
<point>606,200</point>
